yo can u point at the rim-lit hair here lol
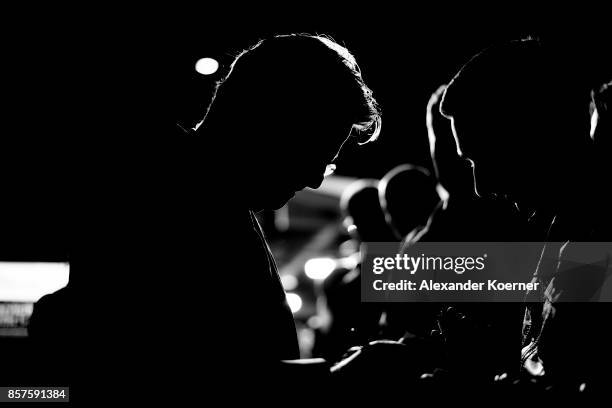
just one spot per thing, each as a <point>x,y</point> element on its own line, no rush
<point>367,115</point>
<point>372,123</point>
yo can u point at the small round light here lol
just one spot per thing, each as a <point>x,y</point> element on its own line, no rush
<point>319,268</point>
<point>289,282</point>
<point>295,302</point>
<point>207,66</point>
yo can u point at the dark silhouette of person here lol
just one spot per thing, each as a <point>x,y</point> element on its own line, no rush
<point>352,322</point>
<point>359,332</point>
<point>462,214</point>
<point>367,327</point>
<point>453,173</point>
<point>363,216</point>
<point>501,108</point>
<point>565,336</point>
<point>408,196</point>
<point>280,117</point>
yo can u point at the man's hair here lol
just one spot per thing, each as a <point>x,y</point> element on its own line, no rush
<point>528,86</point>
<point>521,75</point>
<point>282,77</point>
<point>524,107</point>
<point>496,78</point>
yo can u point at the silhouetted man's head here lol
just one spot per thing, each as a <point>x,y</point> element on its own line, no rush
<point>284,110</point>
<point>519,115</point>
<point>408,197</point>
<point>363,216</point>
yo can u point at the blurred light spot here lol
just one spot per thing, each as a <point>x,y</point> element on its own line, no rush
<point>351,229</point>
<point>306,341</point>
<point>315,322</point>
<point>348,247</point>
<point>319,268</point>
<point>289,282</point>
<point>295,302</point>
<point>350,262</point>
<point>28,282</point>
<point>206,66</point>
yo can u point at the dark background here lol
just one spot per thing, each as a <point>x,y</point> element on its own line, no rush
<point>77,85</point>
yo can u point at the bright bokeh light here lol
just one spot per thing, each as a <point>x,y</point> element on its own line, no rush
<point>207,66</point>
<point>295,302</point>
<point>319,268</point>
<point>349,262</point>
<point>289,282</point>
<point>29,281</point>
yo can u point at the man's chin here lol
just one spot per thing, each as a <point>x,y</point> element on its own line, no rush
<point>274,203</point>
<point>282,201</point>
